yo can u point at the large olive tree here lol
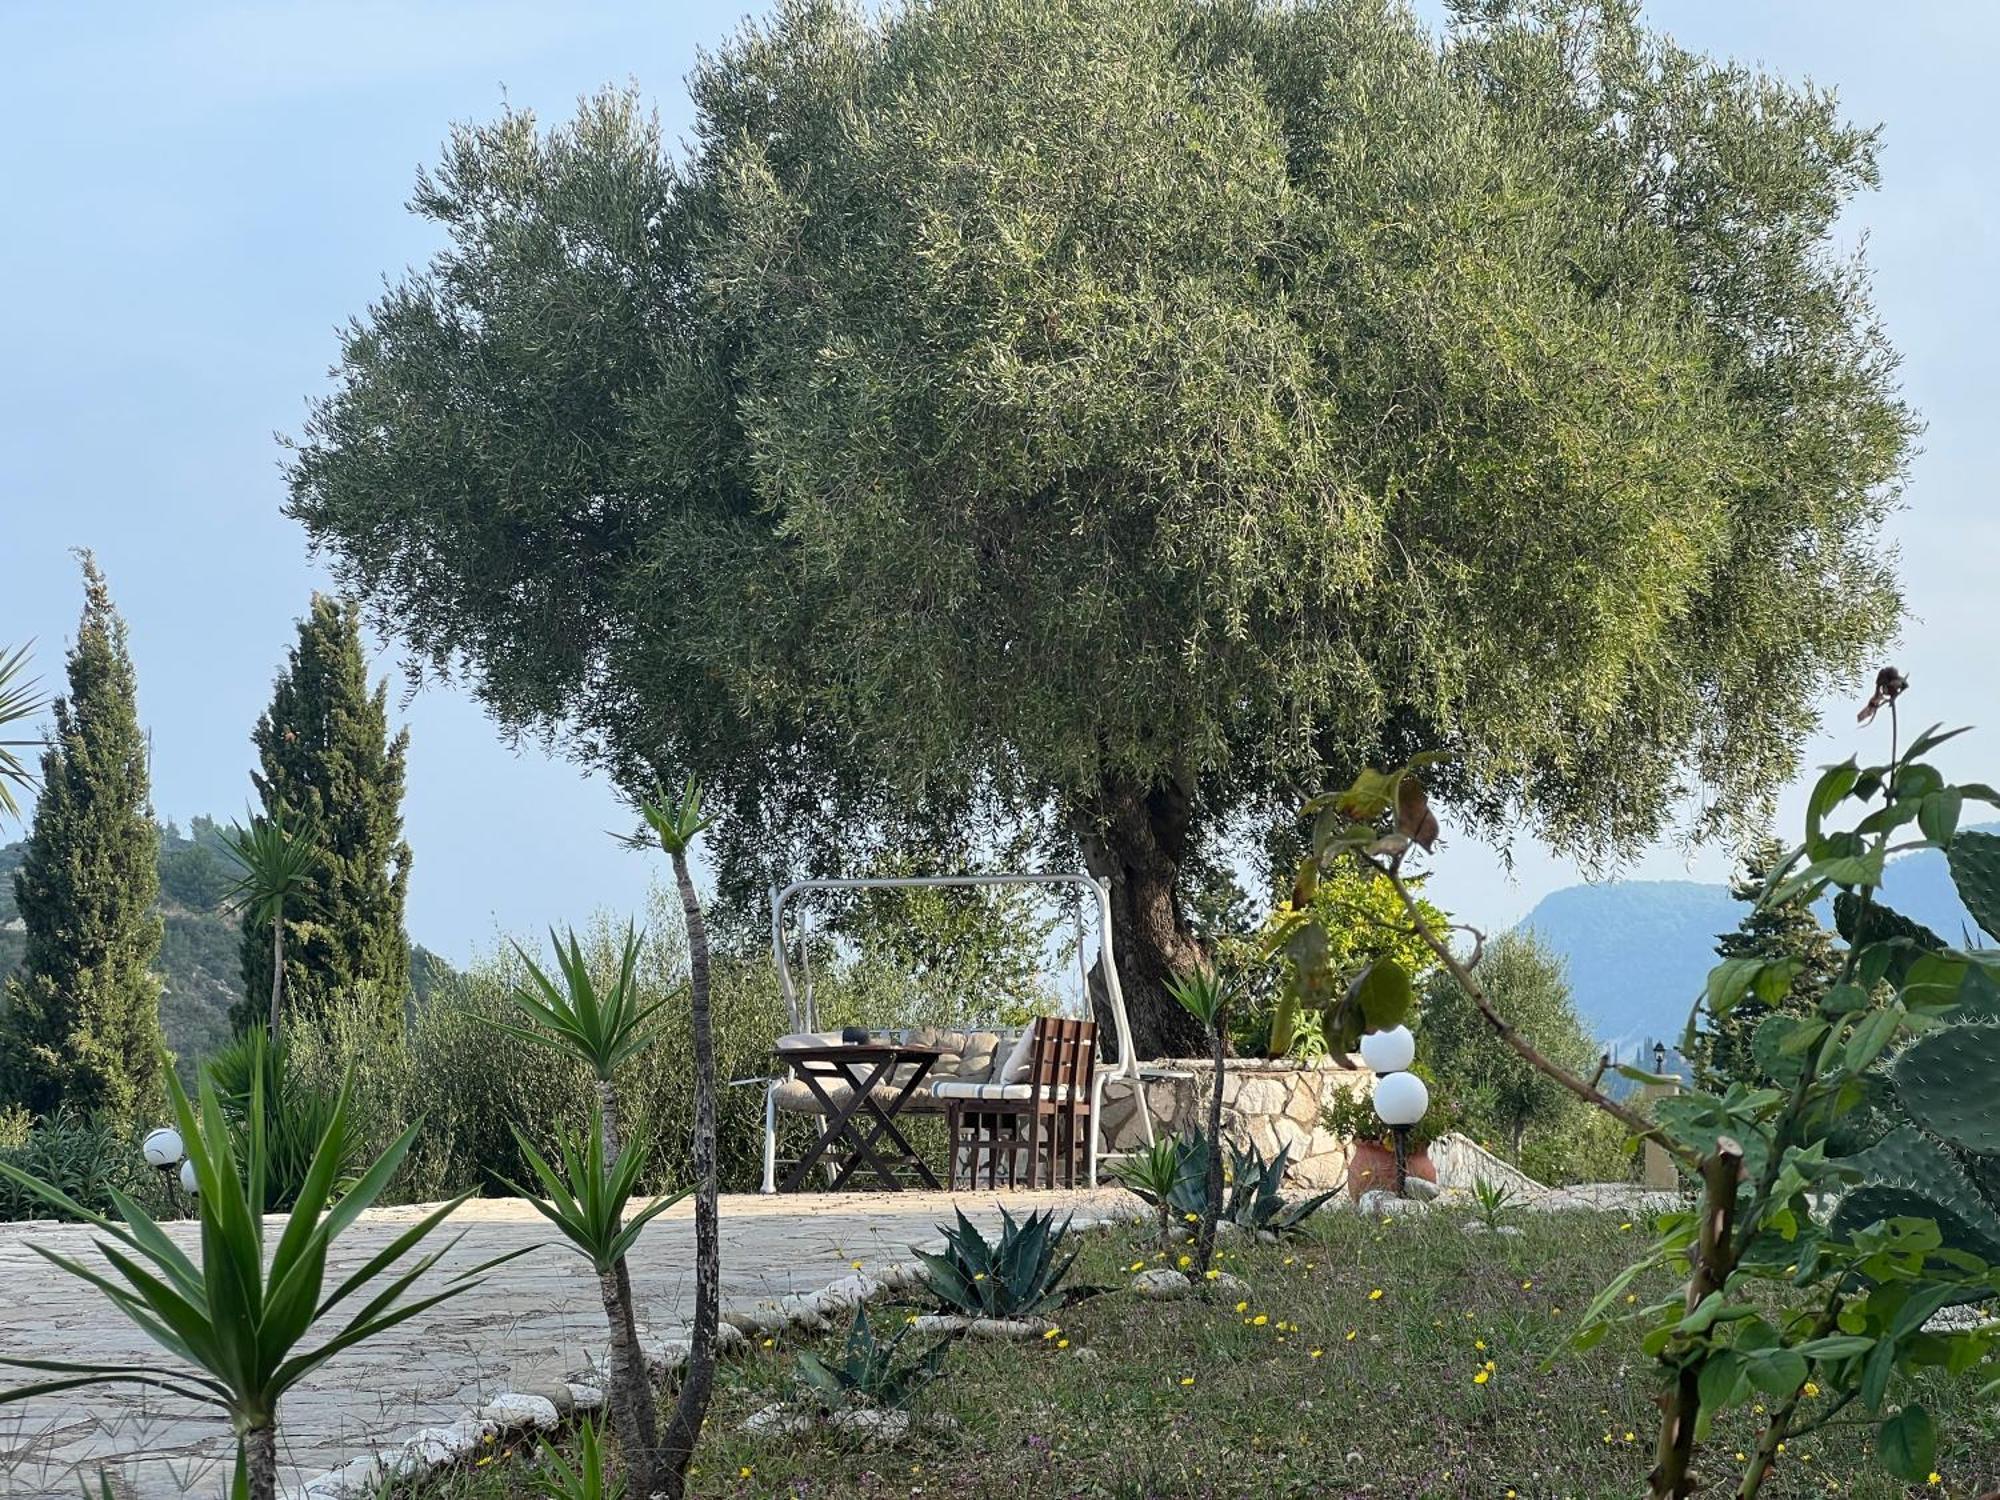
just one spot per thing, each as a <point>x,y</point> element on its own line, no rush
<point>1123,410</point>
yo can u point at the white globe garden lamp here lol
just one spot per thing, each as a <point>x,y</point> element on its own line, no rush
<point>1389,1051</point>
<point>163,1148</point>
<point>188,1183</point>
<point>1401,1099</point>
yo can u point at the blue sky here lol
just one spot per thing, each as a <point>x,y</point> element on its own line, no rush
<point>198,194</point>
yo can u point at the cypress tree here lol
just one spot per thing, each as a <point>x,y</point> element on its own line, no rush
<point>1788,931</point>
<point>327,762</point>
<point>81,1022</point>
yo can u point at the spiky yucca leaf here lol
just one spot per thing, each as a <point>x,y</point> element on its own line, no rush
<point>601,1028</point>
<point>586,1202</point>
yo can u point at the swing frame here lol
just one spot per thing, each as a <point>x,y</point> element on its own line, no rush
<point>805,1017</point>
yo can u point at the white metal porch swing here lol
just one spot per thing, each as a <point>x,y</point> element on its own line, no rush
<point>803,1012</point>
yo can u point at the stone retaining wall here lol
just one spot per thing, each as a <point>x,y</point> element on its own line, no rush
<point>1266,1103</point>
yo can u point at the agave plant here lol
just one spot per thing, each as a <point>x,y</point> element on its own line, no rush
<point>869,1372</point>
<point>1255,1201</point>
<point>20,701</point>
<point>236,1325</point>
<point>1172,1176</point>
<point>586,1201</point>
<point>275,861</point>
<point>1016,1276</point>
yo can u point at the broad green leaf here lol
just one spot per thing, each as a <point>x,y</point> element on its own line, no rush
<point>1907,1444</point>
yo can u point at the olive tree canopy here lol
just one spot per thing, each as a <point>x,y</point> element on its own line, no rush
<point>1124,409</point>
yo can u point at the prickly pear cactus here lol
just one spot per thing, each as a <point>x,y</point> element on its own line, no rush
<point>1949,1082</point>
<point>1975,870</point>
<point>1945,1164</point>
<point>1907,1174</point>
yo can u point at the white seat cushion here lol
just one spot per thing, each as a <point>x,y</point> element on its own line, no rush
<point>953,1088</point>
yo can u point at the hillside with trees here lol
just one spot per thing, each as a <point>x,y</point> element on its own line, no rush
<point>200,963</point>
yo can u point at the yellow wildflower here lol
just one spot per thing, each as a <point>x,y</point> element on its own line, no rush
<point>1376,1295</point>
<point>1482,1377</point>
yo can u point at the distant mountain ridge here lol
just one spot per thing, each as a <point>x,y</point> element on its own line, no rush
<point>1639,951</point>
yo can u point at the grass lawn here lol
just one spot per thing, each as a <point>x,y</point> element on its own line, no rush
<point>1353,1369</point>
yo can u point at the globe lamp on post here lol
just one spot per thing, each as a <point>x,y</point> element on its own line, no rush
<point>1400,1100</point>
<point>164,1150</point>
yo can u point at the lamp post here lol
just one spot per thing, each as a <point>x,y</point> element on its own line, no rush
<point>164,1151</point>
<point>1660,1058</point>
<point>1401,1099</point>
<point>1400,1096</point>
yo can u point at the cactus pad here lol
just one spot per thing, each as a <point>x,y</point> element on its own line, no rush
<point>1949,1081</point>
<point>1873,1202</point>
<point>1975,870</point>
<point>1873,923</point>
<point>1905,1174</point>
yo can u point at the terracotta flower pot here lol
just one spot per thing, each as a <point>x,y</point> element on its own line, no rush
<point>1372,1164</point>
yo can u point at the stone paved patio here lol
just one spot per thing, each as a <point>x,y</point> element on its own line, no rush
<point>537,1319</point>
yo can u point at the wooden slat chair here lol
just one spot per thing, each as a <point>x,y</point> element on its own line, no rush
<point>1047,1109</point>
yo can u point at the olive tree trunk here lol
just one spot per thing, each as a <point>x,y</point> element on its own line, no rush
<point>1135,837</point>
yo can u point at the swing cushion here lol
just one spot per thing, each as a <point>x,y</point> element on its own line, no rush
<point>967,1054</point>
<point>792,1097</point>
<point>953,1088</point>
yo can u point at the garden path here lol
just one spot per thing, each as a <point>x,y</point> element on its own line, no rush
<point>536,1320</point>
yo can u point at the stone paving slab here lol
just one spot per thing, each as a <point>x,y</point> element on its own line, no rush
<point>536,1319</point>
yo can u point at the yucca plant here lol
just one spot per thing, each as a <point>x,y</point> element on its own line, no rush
<point>1015,1276</point>
<point>276,860</point>
<point>20,701</point>
<point>869,1372</point>
<point>602,1028</point>
<point>1167,1174</point>
<point>586,1479</point>
<point>569,1013</point>
<point>676,822</point>
<point>298,1117</point>
<point>240,1323</point>
<point>587,1201</point>
<point>1205,994</point>
<point>1491,1199</point>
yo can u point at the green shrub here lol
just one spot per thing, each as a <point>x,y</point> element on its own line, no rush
<point>299,1114</point>
<point>85,1157</point>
